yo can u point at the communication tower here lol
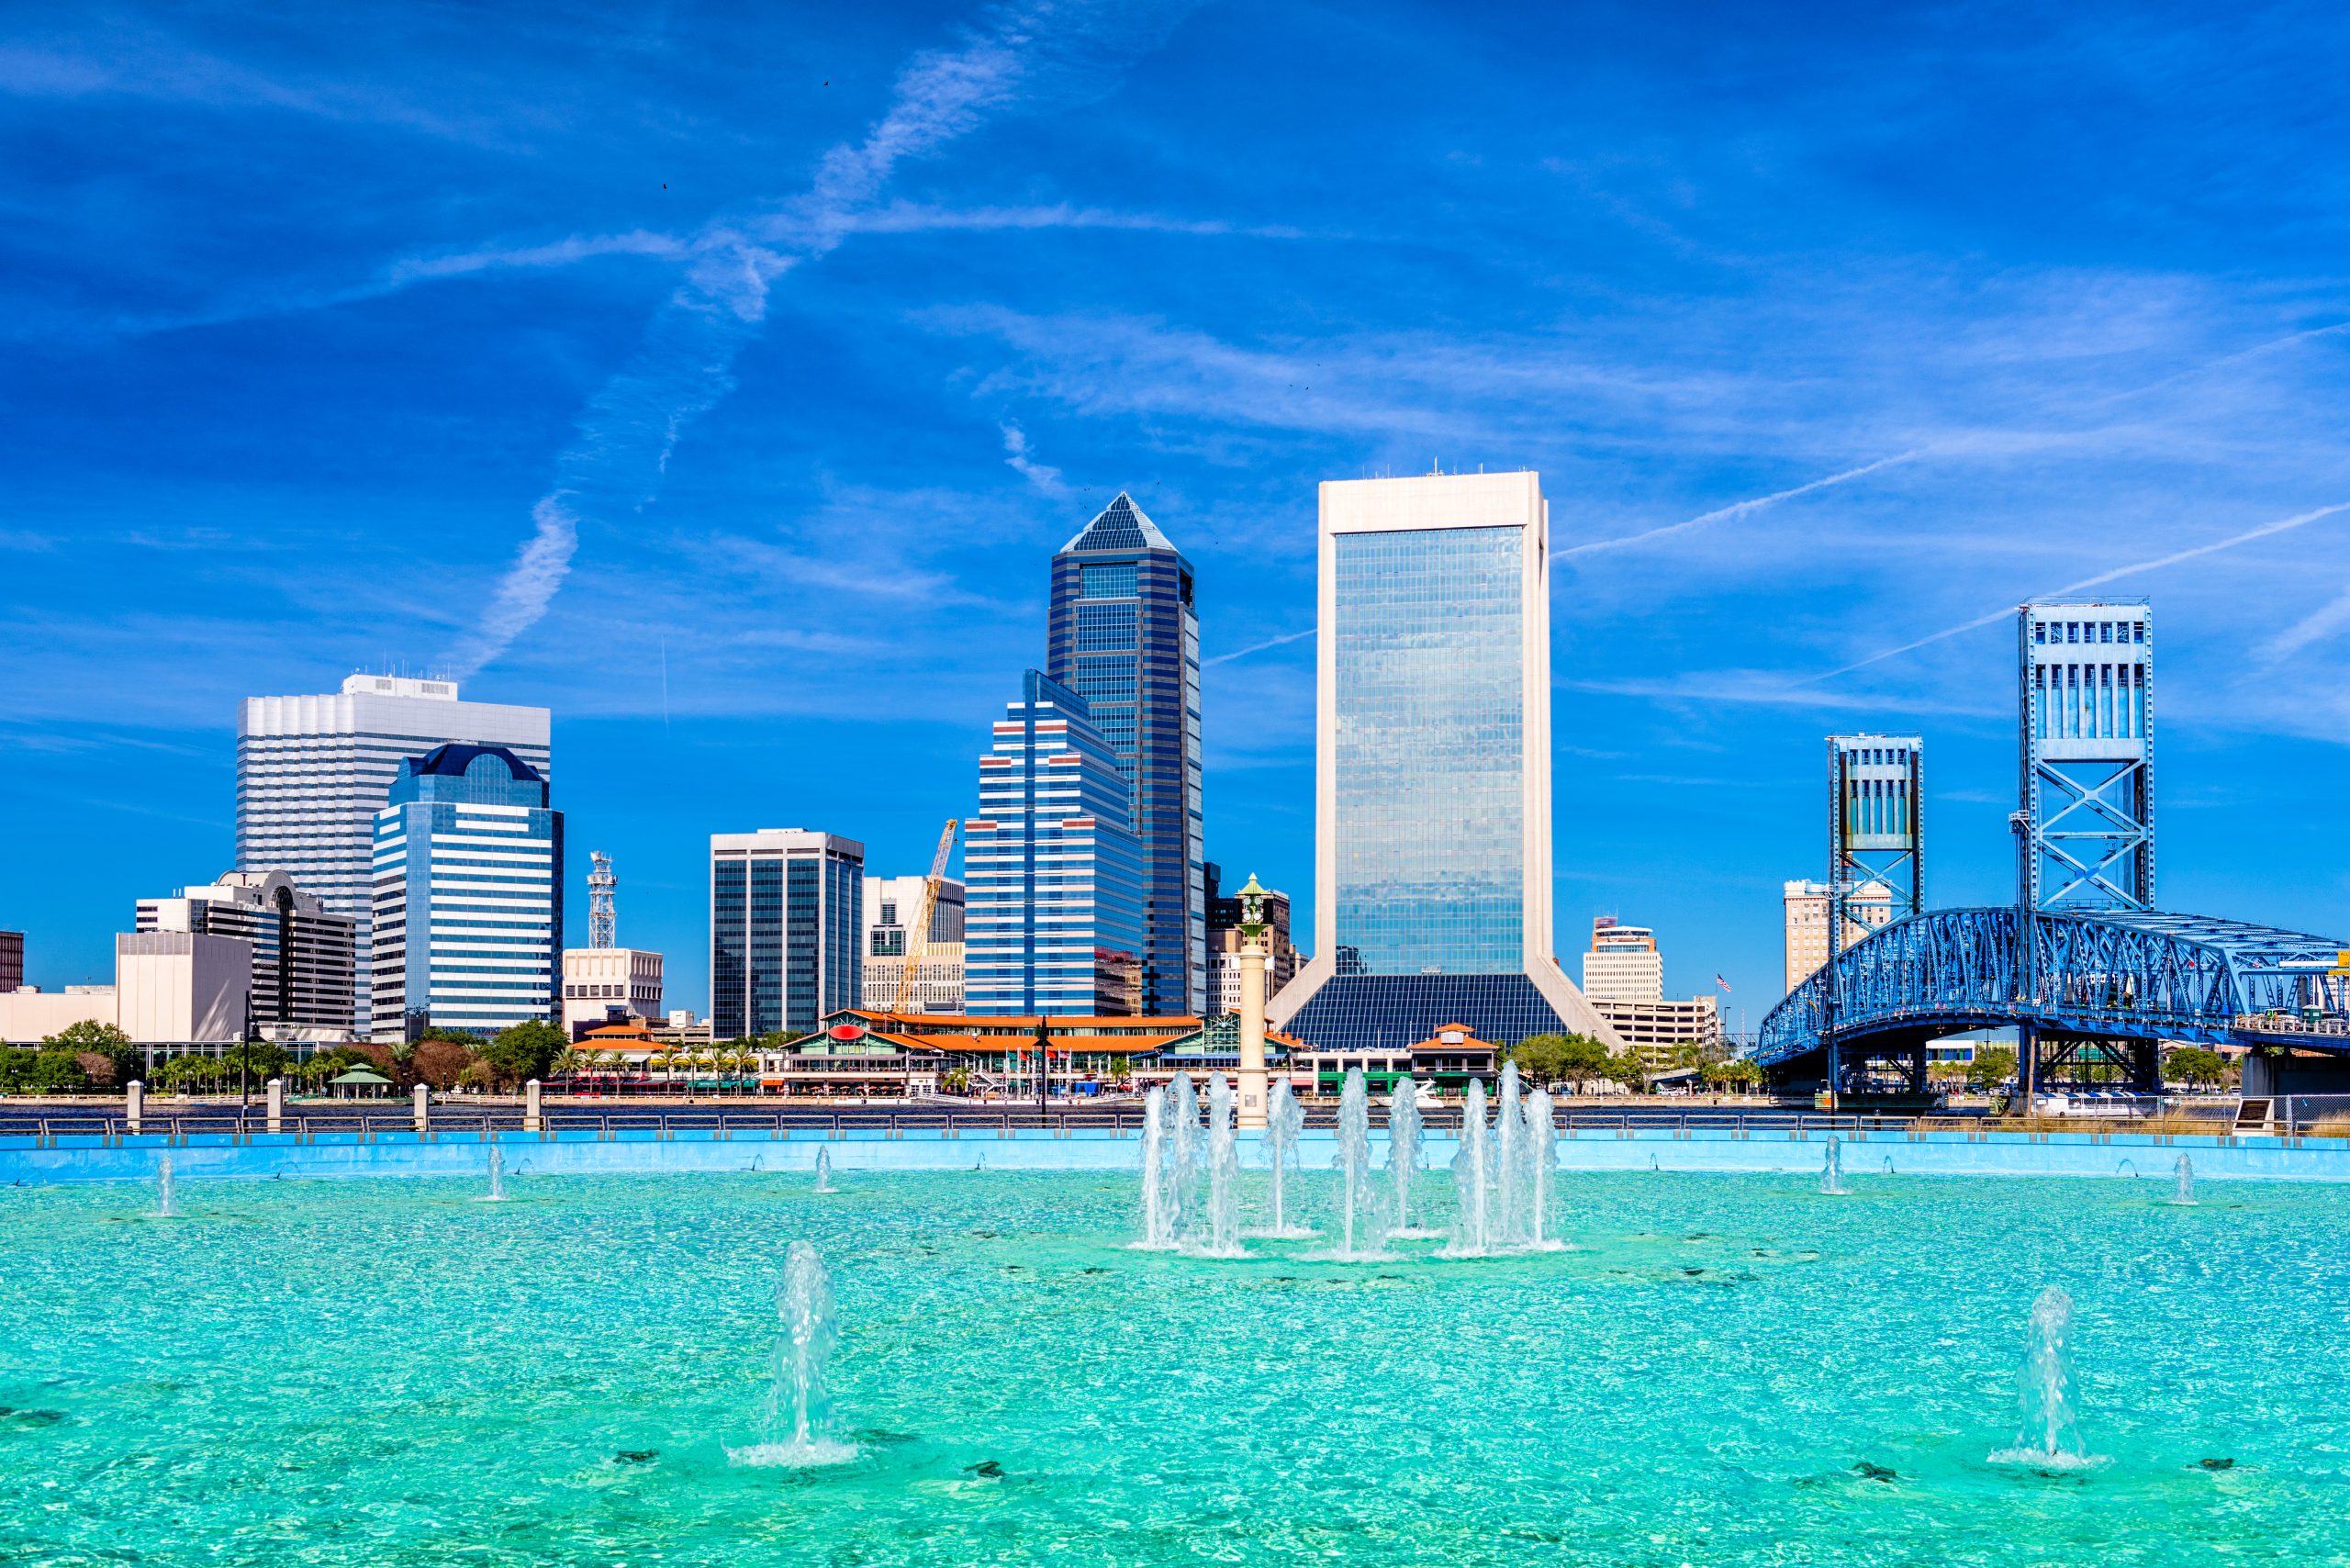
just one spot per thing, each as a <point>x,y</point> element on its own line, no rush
<point>602,921</point>
<point>2085,821</point>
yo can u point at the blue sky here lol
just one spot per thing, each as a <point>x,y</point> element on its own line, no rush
<point>723,377</point>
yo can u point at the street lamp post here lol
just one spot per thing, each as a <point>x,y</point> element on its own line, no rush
<point>1252,1005</point>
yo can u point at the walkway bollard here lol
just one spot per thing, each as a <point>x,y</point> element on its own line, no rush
<point>135,1105</point>
<point>423,1112</point>
<point>531,1122</point>
<point>277,1104</point>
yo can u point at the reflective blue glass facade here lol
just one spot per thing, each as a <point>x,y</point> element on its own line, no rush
<point>1432,851</point>
<point>1123,634</point>
<point>1052,877</point>
<point>787,912</point>
<point>1431,752</point>
<point>467,871</point>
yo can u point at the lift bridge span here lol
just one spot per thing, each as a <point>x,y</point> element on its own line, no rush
<point>2092,993</point>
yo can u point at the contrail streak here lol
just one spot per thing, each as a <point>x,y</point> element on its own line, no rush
<point>2282,525</point>
<point>1737,509</point>
<point>621,449</point>
<point>1260,647</point>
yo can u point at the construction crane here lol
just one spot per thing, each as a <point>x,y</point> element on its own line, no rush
<point>918,933</point>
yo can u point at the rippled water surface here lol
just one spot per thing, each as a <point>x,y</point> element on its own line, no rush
<point>392,1373</point>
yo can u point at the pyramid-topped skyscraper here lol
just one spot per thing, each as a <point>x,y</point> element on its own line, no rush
<point>1125,635</point>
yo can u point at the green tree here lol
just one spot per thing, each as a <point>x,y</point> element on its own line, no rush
<point>2196,1064</point>
<point>1554,1058</point>
<point>1993,1066</point>
<point>522,1051</point>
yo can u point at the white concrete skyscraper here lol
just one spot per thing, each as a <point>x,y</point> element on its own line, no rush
<point>313,771</point>
<point>1432,769</point>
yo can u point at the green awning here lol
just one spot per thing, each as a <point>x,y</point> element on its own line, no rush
<point>361,1076</point>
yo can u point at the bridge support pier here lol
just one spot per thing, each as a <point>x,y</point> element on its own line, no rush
<point>2048,1063</point>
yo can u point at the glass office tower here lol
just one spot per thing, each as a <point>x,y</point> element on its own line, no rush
<point>1125,635</point>
<point>468,902</point>
<point>786,918</point>
<point>1432,844</point>
<point>1052,878</point>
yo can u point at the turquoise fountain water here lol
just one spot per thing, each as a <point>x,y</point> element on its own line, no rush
<point>166,1189</point>
<point>1285,1122</point>
<point>791,1420</point>
<point>1222,1237</point>
<point>1359,1221</point>
<point>1403,1127</point>
<point>386,1374</point>
<point>824,1172</point>
<point>496,1194</point>
<point>2045,1388</point>
<point>1472,1180</point>
<point>1832,1170</point>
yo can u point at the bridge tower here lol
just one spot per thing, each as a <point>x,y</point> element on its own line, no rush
<point>1876,836</point>
<point>1876,874</point>
<point>2086,819</point>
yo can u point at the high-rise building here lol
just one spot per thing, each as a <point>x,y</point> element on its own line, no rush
<point>468,866</point>
<point>892,905</point>
<point>302,955</point>
<point>2086,816</point>
<point>313,771</point>
<point>1432,810</point>
<point>1622,963</point>
<point>1806,905</point>
<point>1125,635</point>
<point>1051,872</point>
<point>11,960</point>
<point>787,912</point>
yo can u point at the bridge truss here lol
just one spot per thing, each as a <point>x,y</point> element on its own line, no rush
<point>2092,994</point>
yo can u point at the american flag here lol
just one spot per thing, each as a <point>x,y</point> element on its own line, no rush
<point>1721,983</point>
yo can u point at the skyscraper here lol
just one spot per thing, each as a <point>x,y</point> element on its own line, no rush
<point>1432,799</point>
<point>1125,635</point>
<point>1623,963</point>
<point>1051,872</point>
<point>468,869</point>
<point>786,917</point>
<point>313,771</point>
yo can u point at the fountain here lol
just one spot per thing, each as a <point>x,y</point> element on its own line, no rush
<point>793,1417</point>
<point>1183,1152</point>
<point>165,1192</point>
<point>1541,1164</point>
<point>824,1172</point>
<point>1359,1217</point>
<point>1831,1174</point>
<point>1224,1174</point>
<point>496,1176</point>
<point>2049,1439</point>
<point>1472,1180</point>
<point>1403,1155</point>
<point>1284,1121</point>
<point>1510,1181</point>
<point>2182,1192</point>
<point>1158,1201</point>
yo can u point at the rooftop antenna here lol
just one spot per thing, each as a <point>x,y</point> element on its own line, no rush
<point>601,919</point>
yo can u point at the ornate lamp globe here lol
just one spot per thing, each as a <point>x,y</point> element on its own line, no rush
<point>1252,908</point>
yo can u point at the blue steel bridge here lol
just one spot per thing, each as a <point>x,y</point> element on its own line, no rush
<point>2092,993</point>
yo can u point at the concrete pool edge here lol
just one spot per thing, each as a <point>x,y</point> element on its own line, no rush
<point>71,1159</point>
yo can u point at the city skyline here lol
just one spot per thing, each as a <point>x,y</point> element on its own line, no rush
<point>1829,365</point>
